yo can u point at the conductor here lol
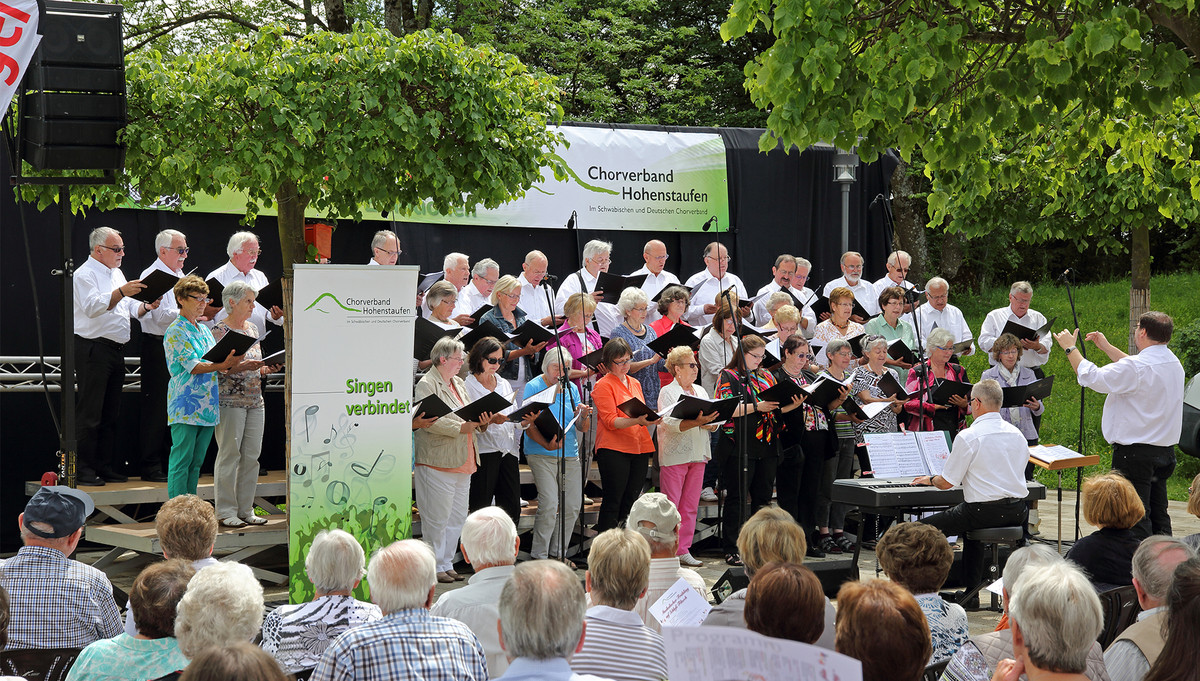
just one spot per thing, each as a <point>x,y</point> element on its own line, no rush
<point>988,461</point>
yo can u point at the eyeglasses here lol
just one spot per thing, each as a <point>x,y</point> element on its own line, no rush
<point>853,268</point>
<point>255,252</point>
<point>622,362</point>
<point>180,251</point>
<point>602,261</point>
<point>841,353</point>
<point>639,309</point>
<point>493,360</point>
<point>456,358</point>
<point>114,249</point>
<point>660,258</point>
<point>489,282</point>
<point>943,348</point>
<point>512,296</point>
<point>395,252</point>
<point>201,299</point>
<point>721,259</point>
<point>756,355</point>
<point>690,365</point>
<point>1010,351</point>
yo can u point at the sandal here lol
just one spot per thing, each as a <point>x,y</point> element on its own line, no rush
<point>733,559</point>
<point>255,520</point>
<point>233,522</point>
<point>844,543</point>
<point>828,545</point>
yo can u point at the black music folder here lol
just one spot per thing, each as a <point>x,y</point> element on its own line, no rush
<point>690,407</point>
<point>530,331</point>
<point>960,348</point>
<point>856,344</point>
<point>613,284</point>
<point>270,295</point>
<point>240,343</point>
<point>679,334</point>
<point>892,388</point>
<point>527,409</point>
<point>1017,396</point>
<point>430,279</point>
<point>157,283</point>
<point>431,406</point>
<point>215,289</point>
<point>483,330</point>
<point>748,330</point>
<point>478,314</point>
<point>633,408</point>
<point>427,335</point>
<point>1024,332</point>
<point>492,403</point>
<point>944,389</point>
<point>782,393</point>
<point>899,350</point>
<point>592,359</point>
<point>823,391</point>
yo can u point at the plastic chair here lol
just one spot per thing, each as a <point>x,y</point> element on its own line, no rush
<point>1121,609</point>
<point>934,671</point>
<point>42,664</point>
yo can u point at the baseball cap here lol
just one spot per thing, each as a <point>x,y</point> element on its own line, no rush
<point>63,508</point>
<point>654,507</point>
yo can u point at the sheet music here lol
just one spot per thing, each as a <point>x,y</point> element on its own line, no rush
<point>895,455</point>
<point>680,606</point>
<point>724,653</point>
<point>1052,453</point>
<point>936,451</point>
<point>544,397</point>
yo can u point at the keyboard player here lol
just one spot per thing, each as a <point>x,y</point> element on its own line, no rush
<point>988,461</point>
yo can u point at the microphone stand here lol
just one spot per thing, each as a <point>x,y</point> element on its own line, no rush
<point>1081,348</point>
<point>743,458</point>
<point>564,382</point>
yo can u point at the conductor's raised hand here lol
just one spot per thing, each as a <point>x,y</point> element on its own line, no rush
<point>1098,339</point>
<point>1067,339</point>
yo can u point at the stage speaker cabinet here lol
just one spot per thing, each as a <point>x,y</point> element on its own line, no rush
<point>72,102</point>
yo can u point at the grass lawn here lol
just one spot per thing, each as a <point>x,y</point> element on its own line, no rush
<point>1101,307</point>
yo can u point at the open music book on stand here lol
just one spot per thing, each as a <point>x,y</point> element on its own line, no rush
<point>908,454</point>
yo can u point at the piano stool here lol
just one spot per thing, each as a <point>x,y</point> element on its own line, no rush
<point>993,537</point>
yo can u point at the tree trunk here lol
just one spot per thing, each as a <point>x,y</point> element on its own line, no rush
<point>909,218</point>
<point>291,205</point>
<point>952,255</point>
<point>397,16</point>
<point>335,16</point>
<point>1139,290</point>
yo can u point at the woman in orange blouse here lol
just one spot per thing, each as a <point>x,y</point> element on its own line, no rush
<point>623,444</point>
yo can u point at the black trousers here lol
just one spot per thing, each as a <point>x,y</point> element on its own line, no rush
<point>978,516</point>
<point>798,477</point>
<point>497,476</point>
<point>100,373</point>
<point>155,437</point>
<point>1147,467</point>
<point>623,476</point>
<point>760,482</point>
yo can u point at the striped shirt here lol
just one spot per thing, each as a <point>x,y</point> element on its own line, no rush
<point>56,602</point>
<point>618,646</point>
<point>297,635</point>
<point>406,644</point>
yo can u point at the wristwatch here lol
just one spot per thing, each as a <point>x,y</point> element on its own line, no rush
<point>1070,350</point>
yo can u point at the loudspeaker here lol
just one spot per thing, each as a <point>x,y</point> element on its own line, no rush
<point>73,100</point>
<point>734,579</point>
<point>832,572</point>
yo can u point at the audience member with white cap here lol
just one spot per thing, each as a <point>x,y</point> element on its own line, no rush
<point>654,517</point>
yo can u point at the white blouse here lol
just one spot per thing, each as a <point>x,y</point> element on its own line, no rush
<point>675,447</point>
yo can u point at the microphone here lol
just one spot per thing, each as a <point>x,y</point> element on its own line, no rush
<point>709,223</point>
<point>877,199</point>
<point>1064,275</point>
<point>571,220</point>
<point>549,279</point>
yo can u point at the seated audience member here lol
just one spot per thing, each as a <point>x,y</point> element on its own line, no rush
<point>1056,617</point>
<point>654,517</point>
<point>785,600</point>
<point>978,657</point>
<point>82,609</point>
<point>153,651</point>
<point>1193,507</point>
<point>917,557</point>
<point>297,635</point>
<point>1178,659</point>
<point>1112,504</point>
<point>490,544</point>
<point>408,643</point>
<point>1137,648</point>
<point>541,622</point>
<point>4,630</point>
<point>880,624</point>
<point>223,605</point>
<point>239,661</point>
<point>770,535</point>
<point>187,529</point>
<point>618,645</point>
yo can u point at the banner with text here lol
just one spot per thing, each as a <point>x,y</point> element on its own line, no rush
<point>616,179</point>
<point>350,464</point>
<point>18,41</point>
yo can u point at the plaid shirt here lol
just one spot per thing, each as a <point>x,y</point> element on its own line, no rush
<point>57,602</point>
<point>407,644</point>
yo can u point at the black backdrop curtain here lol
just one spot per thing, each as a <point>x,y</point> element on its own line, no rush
<point>779,203</point>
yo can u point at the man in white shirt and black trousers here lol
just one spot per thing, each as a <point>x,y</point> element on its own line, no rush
<point>988,461</point>
<point>102,313</point>
<point>1143,413</point>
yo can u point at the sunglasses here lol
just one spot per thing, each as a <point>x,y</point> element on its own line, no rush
<point>493,360</point>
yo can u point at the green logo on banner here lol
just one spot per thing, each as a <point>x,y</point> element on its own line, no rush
<point>332,297</point>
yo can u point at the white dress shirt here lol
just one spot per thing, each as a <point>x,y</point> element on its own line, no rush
<point>470,298</point>
<point>653,284</point>
<point>993,326</point>
<point>706,294</point>
<point>93,286</point>
<point>533,300</point>
<point>227,274</point>
<point>949,318</point>
<point>715,354</point>
<point>988,460</point>
<point>864,293</point>
<point>1145,397</point>
<point>804,294</point>
<point>157,320</point>
<point>608,317</point>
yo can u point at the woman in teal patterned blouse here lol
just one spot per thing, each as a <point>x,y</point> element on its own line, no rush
<point>192,406</point>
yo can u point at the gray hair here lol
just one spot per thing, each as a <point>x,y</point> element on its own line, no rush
<point>481,268</point>
<point>937,283</point>
<point>847,254</point>
<point>870,341</point>
<point>670,294</point>
<point>238,240</point>
<point>451,260</point>
<point>712,246</point>
<point>532,257</point>
<point>1154,572</point>
<point>939,337</point>
<point>596,247</point>
<point>802,263</point>
<point>894,258</point>
<point>835,346</point>
<point>444,348</point>
<point>785,257</point>
<point>401,575</point>
<point>335,561</point>
<point>1034,555</point>
<point>236,292</point>
<point>777,300</point>
<point>223,605</point>
<point>164,238</point>
<point>1020,287</point>
<point>552,358</point>
<point>541,611</point>
<point>99,236</point>
<point>489,537</point>
<point>989,393</point>
<point>1059,615</point>
<point>631,297</point>
<point>381,237</point>
<point>440,290</point>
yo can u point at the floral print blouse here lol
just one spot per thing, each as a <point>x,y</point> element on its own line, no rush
<point>243,389</point>
<point>191,398</point>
